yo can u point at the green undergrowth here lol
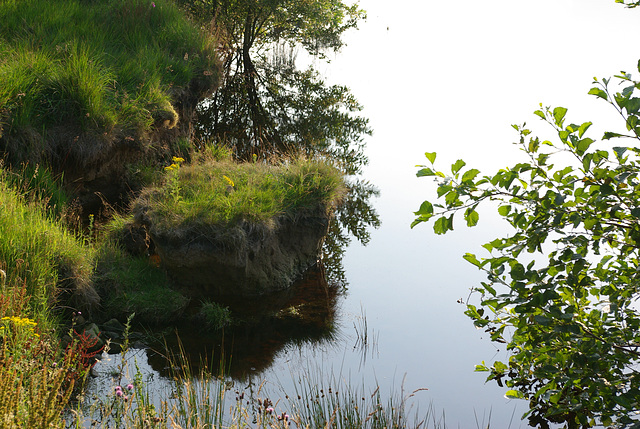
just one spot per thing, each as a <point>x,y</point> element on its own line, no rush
<point>219,194</point>
<point>76,75</point>
<point>41,253</point>
<point>133,285</point>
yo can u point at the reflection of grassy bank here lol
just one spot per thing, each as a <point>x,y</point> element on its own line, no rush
<point>258,331</point>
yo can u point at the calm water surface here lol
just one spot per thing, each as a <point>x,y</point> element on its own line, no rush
<point>449,77</point>
<point>403,294</point>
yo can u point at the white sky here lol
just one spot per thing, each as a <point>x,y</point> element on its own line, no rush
<point>452,76</point>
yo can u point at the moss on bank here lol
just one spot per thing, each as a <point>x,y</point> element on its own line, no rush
<point>134,285</point>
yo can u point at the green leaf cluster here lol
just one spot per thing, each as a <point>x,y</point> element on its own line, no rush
<point>561,289</point>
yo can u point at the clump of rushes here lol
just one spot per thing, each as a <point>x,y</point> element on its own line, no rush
<point>219,194</point>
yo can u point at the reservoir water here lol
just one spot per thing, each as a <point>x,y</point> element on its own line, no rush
<point>449,77</point>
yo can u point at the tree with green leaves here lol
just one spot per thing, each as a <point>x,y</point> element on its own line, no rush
<point>629,4</point>
<point>562,288</point>
<point>266,105</point>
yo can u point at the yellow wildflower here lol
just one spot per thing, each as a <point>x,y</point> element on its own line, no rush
<point>177,159</point>
<point>171,167</point>
<point>229,181</point>
<point>20,322</point>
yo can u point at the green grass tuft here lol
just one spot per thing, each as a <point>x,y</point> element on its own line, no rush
<point>111,69</point>
<point>223,194</point>
<point>40,253</point>
<point>214,316</point>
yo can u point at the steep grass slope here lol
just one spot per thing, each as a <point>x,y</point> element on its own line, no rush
<point>91,86</point>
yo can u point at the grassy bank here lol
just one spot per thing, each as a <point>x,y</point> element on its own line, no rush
<point>215,200</point>
<point>81,82</point>
<point>42,266</point>
<point>219,194</point>
<point>41,254</point>
<point>76,77</point>
<point>78,81</point>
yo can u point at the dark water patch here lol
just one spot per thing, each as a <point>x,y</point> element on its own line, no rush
<point>260,329</point>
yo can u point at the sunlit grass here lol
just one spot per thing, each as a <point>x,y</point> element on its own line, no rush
<point>40,253</point>
<point>110,69</point>
<point>224,193</point>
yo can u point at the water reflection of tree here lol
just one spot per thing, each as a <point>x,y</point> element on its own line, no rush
<point>353,219</point>
<point>266,104</point>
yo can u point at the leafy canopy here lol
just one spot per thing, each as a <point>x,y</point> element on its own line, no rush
<point>562,289</point>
